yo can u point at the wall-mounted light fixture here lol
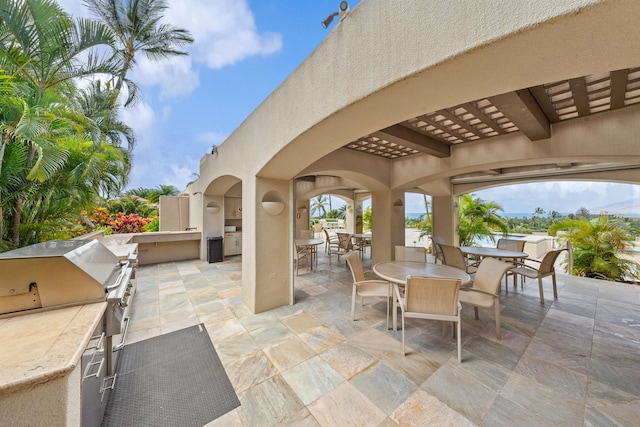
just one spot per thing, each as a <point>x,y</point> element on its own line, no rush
<point>273,203</point>
<point>213,208</point>
<point>197,192</point>
<point>398,205</point>
<point>350,209</point>
<point>302,209</point>
<point>344,8</point>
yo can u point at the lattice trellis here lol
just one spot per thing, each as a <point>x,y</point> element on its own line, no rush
<point>481,119</point>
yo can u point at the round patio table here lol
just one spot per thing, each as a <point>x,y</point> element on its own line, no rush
<point>507,255</point>
<point>483,251</point>
<point>364,239</point>
<point>312,245</point>
<point>397,272</point>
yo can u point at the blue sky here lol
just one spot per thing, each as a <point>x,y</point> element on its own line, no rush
<point>243,51</point>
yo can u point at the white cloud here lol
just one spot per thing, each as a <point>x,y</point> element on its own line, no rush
<point>224,31</point>
<point>144,121</point>
<point>175,76</point>
<point>74,8</point>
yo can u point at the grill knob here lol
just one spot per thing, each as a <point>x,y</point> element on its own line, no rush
<point>123,304</point>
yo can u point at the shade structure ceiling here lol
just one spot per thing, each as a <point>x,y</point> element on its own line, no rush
<point>531,111</point>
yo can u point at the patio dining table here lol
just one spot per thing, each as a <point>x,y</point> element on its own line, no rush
<point>483,251</point>
<point>397,272</point>
<point>312,245</point>
<point>362,240</point>
<point>502,254</point>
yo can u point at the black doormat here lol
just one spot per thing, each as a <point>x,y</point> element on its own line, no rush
<point>175,379</point>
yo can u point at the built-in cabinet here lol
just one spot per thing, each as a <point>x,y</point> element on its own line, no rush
<point>232,244</point>
<point>233,208</point>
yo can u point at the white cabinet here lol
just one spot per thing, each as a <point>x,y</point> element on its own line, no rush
<point>232,244</point>
<point>233,208</point>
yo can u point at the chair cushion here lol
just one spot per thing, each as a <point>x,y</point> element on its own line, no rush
<point>527,272</point>
<point>372,288</point>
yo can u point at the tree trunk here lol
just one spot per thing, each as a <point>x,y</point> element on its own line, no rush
<point>17,219</point>
<point>17,216</point>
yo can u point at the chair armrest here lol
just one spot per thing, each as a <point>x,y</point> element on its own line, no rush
<point>479,291</point>
<point>371,281</point>
<point>524,263</point>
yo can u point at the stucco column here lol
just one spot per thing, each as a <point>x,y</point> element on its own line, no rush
<point>350,217</point>
<point>266,240</point>
<point>387,224</point>
<point>357,214</point>
<point>302,215</point>
<point>445,218</point>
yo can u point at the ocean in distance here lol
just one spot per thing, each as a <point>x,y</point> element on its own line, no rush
<point>416,215</point>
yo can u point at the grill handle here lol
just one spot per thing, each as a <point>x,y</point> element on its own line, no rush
<point>121,276</point>
<point>124,335</point>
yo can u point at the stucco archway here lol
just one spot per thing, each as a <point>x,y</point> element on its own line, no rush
<point>437,58</point>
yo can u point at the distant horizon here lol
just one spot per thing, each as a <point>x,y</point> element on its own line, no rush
<point>415,215</point>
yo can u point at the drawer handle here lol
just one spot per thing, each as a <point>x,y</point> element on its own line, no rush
<point>90,366</point>
<point>98,345</point>
<point>124,335</point>
<point>109,387</point>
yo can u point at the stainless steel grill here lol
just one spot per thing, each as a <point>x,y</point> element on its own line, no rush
<point>56,274</point>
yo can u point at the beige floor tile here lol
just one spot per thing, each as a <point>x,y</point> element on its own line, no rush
<point>301,323</point>
<point>346,406</point>
<point>422,409</point>
<point>347,359</point>
<point>289,353</point>
<point>312,378</point>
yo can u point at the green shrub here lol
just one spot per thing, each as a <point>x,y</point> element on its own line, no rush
<point>153,225</point>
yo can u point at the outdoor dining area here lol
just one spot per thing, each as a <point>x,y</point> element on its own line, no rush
<point>572,361</point>
<point>335,243</point>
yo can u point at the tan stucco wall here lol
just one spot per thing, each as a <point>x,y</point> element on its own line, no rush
<point>174,213</point>
<point>54,403</point>
<point>388,61</point>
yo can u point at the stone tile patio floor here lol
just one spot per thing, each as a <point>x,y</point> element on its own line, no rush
<point>574,361</point>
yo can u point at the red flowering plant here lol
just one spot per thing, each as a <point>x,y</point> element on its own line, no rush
<point>132,223</point>
<point>100,216</point>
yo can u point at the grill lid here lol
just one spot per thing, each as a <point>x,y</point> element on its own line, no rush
<point>56,273</point>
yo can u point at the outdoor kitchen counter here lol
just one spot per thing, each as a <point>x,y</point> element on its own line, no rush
<point>41,347</point>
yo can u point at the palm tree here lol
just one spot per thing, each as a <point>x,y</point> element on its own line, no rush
<point>479,218</point>
<point>98,103</point>
<point>44,51</point>
<point>554,216</point>
<point>53,204</point>
<point>596,246</point>
<point>583,212</point>
<point>162,190</point>
<point>426,222</point>
<point>319,206</point>
<point>137,28</point>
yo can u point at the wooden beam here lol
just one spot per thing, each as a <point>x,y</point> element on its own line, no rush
<point>580,98</point>
<point>401,135</point>
<point>483,117</point>
<point>541,97</point>
<point>619,80</point>
<point>522,109</point>
<point>466,127</point>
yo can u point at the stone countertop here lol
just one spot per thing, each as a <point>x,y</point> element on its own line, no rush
<point>39,347</point>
